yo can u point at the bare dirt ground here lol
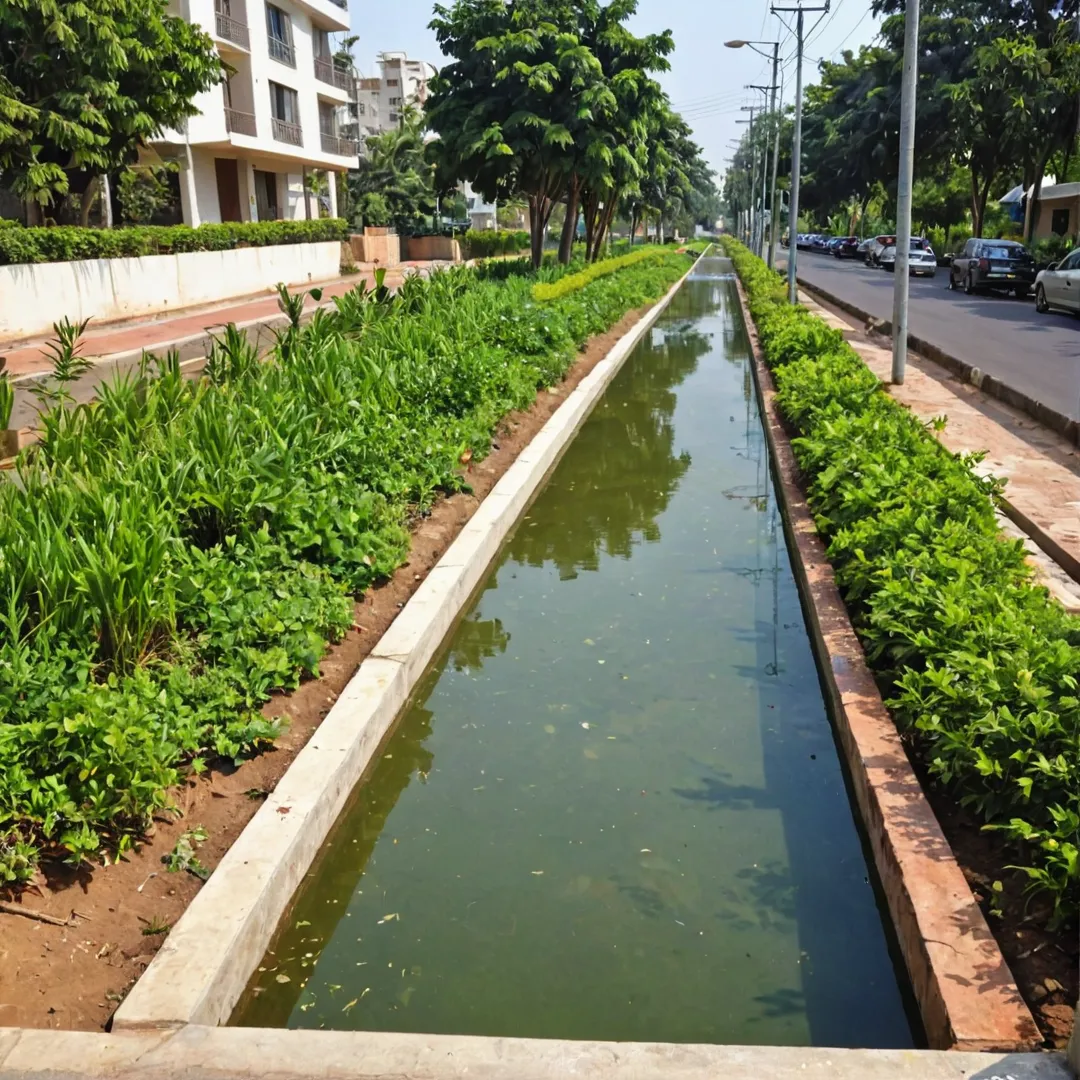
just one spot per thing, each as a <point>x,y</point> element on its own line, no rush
<point>74,976</point>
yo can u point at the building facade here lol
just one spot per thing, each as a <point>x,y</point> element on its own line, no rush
<point>259,138</point>
<point>378,103</point>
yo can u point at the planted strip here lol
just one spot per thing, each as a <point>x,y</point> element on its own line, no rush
<point>978,664</point>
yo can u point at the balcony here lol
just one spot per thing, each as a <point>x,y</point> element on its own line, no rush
<point>328,72</point>
<point>281,50</point>
<point>335,144</point>
<point>240,123</point>
<point>283,131</point>
<point>232,30</point>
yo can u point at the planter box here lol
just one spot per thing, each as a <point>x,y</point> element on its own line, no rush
<point>376,245</point>
<point>437,248</point>
<point>35,295</point>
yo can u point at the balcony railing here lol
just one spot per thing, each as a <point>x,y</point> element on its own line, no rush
<point>328,72</point>
<point>285,132</point>
<point>281,50</point>
<point>335,144</point>
<point>232,30</point>
<point>242,123</point>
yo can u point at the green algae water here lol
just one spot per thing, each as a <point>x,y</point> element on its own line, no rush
<point>614,808</point>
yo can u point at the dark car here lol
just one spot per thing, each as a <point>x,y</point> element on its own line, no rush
<point>993,265</point>
<point>846,247</point>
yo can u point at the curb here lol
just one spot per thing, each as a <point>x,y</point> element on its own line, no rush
<point>202,968</point>
<point>965,991</point>
<point>989,384</point>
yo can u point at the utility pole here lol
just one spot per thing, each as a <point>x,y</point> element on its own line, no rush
<point>796,149</point>
<point>903,190</point>
<point>774,215</point>
<point>760,250</point>
<point>753,173</point>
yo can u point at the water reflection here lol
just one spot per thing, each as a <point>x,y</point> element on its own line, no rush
<point>625,468</point>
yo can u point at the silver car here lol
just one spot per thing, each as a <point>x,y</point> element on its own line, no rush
<point>922,261</point>
<point>1058,286</point>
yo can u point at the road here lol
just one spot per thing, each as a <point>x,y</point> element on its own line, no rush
<point>1005,337</point>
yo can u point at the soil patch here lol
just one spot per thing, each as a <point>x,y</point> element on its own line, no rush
<point>1044,962</point>
<point>74,976</point>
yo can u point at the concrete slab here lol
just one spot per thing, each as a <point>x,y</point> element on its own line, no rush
<point>253,1054</point>
<point>965,992</point>
<point>202,968</point>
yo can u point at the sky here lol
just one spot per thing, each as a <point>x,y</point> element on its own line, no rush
<point>706,82</point>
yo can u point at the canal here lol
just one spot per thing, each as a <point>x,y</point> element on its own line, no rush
<point>614,807</point>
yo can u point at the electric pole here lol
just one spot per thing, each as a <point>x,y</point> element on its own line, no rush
<point>796,149</point>
<point>903,190</point>
<point>753,173</point>
<point>760,250</point>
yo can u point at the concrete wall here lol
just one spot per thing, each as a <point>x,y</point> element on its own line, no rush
<point>441,248</point>
<point>1045,216</point>
<point>34,296</point>
<point>376,245</point>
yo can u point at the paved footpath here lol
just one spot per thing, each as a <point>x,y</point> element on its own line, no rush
<point>1042,469</point>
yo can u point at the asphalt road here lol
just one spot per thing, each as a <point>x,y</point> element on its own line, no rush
<point>1005,337</point>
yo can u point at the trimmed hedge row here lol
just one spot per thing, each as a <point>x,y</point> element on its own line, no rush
<point>979,666</point>
<point>483,243</point>
<point>65,243</point>
<point>572,282</point>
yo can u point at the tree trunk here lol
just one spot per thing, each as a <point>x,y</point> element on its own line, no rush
<point>537,227</point>
<point>660,229</point>
<point>86,201</point>
<point>633,226</point>
<point>590,203</point>
<point>1031,214</point>
<point>566,242</point>
<point>606,219</point>
<point>976,215</point>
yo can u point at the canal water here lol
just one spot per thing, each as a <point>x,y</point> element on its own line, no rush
<point>614,808</point>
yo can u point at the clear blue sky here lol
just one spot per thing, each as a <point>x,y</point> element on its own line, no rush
<point>706,80</point>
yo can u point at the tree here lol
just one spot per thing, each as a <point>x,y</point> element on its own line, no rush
<point>503,108</point>
<point>395,183</point>
<point>85,82</point>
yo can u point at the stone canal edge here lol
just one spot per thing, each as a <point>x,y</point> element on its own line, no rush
<point>965,991</point>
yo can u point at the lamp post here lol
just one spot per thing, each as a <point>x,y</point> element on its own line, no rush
<point>753,174</point>
<point>773,210</point>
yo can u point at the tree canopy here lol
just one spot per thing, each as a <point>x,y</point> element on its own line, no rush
<point>554,100</point>
<point>84,82</point>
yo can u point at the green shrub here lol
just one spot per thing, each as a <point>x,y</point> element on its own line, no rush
<point>979,665</point>
<point>571,282</point>
<point>485,243</point>
<point>65,243</point>
<point>177,551</point>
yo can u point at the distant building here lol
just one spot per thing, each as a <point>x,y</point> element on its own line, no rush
<point>482,215</point>
<point>378,103</point>
<point>246,155</point>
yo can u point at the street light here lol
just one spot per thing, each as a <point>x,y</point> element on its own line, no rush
<point>774,215</point>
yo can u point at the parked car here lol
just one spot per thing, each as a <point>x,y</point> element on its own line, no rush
<point>864,247</point>
<point>803,241</point>
<point>993,264</point>
<point>819,242</point>
<point>922,262</point>
<point>1058,286</point>
<point>846,247</point>
<point>877,246</point>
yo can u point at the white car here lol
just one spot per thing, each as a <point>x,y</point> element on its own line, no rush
<point>1058,286</point>
<point>921,261</point>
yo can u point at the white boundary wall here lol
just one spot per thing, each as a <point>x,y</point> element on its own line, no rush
<point>35,295</point>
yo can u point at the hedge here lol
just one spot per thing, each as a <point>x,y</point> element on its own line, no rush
<point>572,282</point>
<point>64,243</point>
<point>483,243</point>
<point>979,666</point>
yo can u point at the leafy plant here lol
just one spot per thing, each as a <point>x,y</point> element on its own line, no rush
<point>183,857</point>
<point>980,666</point>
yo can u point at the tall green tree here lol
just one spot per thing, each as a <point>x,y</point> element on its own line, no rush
<point>83,83</point>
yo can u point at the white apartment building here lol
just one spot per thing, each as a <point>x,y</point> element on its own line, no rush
<point>377,103</point>
<point>258,135</point>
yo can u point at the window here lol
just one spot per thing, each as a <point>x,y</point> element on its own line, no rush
<point>391,82</point>
<point>279,35</point>
<point>326,119</point>
<point>1072,262</point>
<point>321,44</point>
<point>393,118</point>
<point>394,100</point>
<point>283,104</point>
<point>969,248</point>
<point>1059,222</point>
